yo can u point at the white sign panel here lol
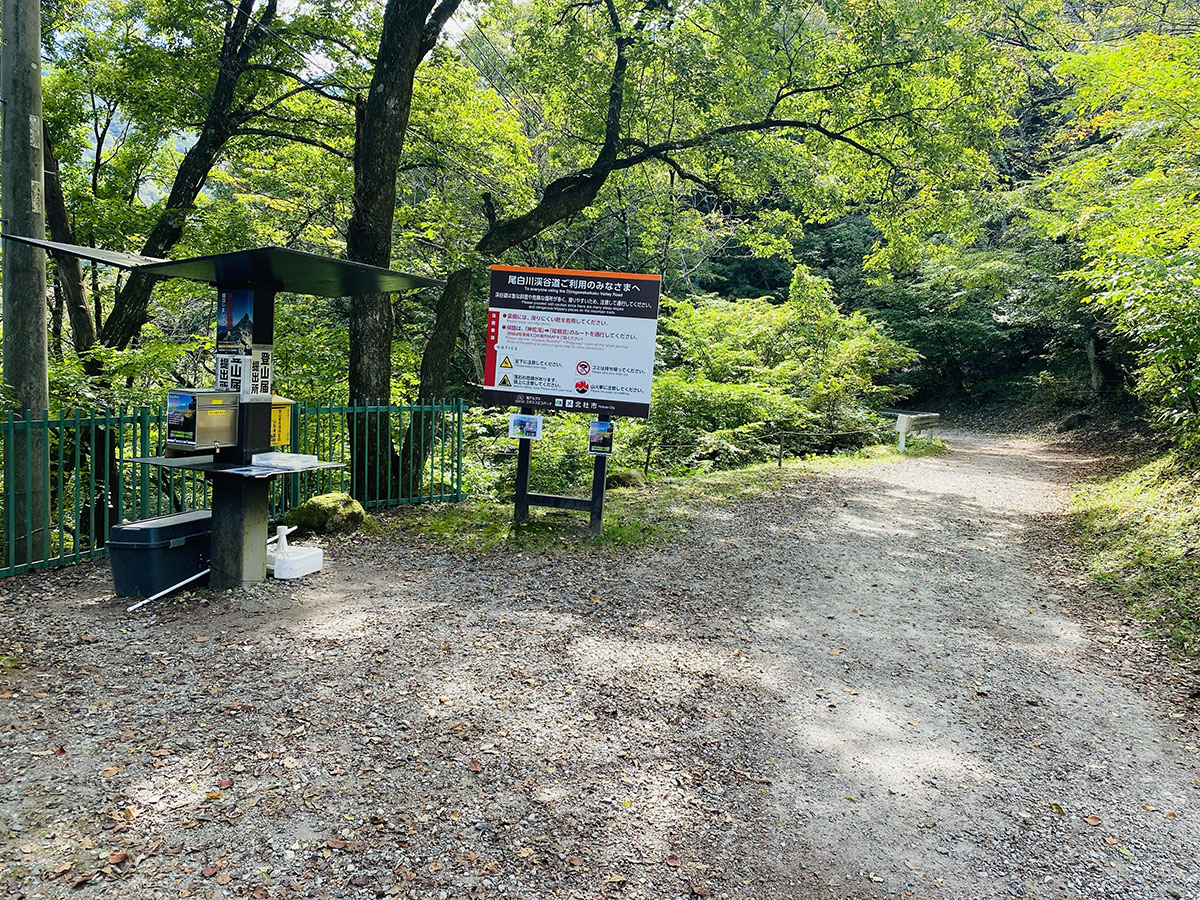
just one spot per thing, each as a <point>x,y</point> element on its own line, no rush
<point>571,340</point>
<point>247,375</point>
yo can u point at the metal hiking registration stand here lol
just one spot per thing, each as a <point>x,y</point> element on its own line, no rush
<point>570,341</point>
<point>234,422</point>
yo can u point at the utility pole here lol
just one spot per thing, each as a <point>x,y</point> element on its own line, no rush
<point>24,310</point>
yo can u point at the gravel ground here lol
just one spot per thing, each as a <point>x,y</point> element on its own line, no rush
<point>886,681</point>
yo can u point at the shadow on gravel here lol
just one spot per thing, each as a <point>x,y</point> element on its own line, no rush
<point>851,687</point>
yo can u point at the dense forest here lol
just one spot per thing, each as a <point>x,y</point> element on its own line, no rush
<point>852,204</point>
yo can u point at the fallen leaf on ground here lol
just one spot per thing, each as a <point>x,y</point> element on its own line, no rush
<point>224,878</point>
<point>209,871</point>
<point>225,783</point>
<point>475,766</point>
<point>673,860</point>
<point>1092,820</point>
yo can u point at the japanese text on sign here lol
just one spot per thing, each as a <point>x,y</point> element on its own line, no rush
<point>571,340</point>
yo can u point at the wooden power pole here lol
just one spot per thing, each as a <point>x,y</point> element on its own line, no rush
<point>24,323</point>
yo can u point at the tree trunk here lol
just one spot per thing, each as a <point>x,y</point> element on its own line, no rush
<point>70,272</point>
<point>25,361</point>
<point>410,30</point>
<point>1105,376</point>
<point>562,198</point>
<point>381,121</point>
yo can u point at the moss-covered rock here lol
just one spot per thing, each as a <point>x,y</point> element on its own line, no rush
<point>630,478</point>
<point>329,514</point>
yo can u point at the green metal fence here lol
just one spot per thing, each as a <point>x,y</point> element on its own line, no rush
<point>67,480</point>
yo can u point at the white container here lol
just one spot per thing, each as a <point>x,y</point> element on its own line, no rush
<point>285,562</point>
<point>290,461</point>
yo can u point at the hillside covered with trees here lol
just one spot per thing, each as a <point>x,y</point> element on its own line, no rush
<point>848,202</point>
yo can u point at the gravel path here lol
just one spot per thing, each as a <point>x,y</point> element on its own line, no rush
<point>886,681</point>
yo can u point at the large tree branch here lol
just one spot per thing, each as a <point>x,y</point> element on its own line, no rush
<point>338,42</point>
<point>435,23</point>
<point>314,86</point>
<point>295,138</point>
<point>787,93</point>
<point>70,273</point>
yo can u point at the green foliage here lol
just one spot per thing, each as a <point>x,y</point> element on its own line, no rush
<point>652,516</point>
<point>1128,196</point>
<point>736,376</point>
<point>1139,532</point>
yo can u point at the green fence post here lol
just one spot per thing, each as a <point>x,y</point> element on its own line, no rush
<point>143,424</point>
<point>78,465</point>
<point>45,425</point>
<point>10,525</point>
<point>458,418</point>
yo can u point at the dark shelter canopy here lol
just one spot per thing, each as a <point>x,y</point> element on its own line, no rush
<point>263,269</point>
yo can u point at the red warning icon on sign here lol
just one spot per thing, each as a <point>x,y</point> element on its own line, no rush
<point>583,367</point>
<point>581,387</point>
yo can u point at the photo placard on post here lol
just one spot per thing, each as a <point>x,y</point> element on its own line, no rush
<point>600,438</point>
<point>524,426</point>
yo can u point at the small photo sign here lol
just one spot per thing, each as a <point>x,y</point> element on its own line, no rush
<point>525,427</point>
<point>600,438</point>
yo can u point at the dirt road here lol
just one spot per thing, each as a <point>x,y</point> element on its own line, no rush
<point>875,682</point>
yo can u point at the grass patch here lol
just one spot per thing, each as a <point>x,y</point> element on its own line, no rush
<point>1140,536</point>
<point>633,518</point>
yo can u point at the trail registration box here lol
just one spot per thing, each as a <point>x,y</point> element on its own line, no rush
<point>281,421</point>
<point>201,420</point>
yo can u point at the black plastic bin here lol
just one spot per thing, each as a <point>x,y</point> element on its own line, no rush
<point>151,555</point>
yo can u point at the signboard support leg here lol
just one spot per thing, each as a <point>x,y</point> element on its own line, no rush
<point>599,471</point>
<point>239,531</point>
<point>521,506</point>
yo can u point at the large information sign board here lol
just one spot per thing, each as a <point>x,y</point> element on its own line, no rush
<point>569,340</point>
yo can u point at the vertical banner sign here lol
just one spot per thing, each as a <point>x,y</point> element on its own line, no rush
<point>244,343</point>
<point>571,340</point>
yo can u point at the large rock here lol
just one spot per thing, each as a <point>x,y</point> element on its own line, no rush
<point>630,478</point>
<point>328,513</point>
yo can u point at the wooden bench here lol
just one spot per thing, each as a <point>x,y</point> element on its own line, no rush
<point>911,423</point>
